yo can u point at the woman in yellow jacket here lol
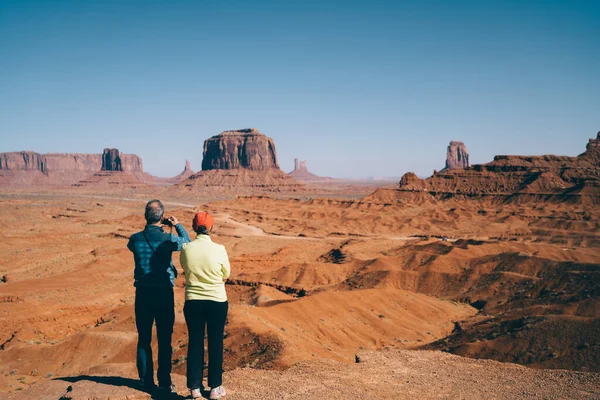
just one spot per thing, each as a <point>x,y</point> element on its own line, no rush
<point>206,267</point>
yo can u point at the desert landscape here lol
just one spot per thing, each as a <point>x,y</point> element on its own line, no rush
<point>480,281</point>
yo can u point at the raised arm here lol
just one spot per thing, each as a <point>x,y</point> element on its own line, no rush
<point>181,239</point>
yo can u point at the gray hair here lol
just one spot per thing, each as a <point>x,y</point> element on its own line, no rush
<point>154,211</point>
<point>202,230</point>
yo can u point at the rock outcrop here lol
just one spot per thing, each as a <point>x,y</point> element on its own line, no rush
<point>183,175</point>
<point>111,160</point>
<point>22,160</point>
<point>240,162</point>
<point>75,162</point>
<point>410,181</point>
<point>111,181</point>
<point>27,167</point>
<point>519,179</point>
<point>161,181</point>
<point>300,165</point>
<point>118,171</point>
<point>592,151</point>
<point>114,160</point>
<point>301,172</point>
<point>244,148</point>
<point>457,156</point>
<point>186,173</point>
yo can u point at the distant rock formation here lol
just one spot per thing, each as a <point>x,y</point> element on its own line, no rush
<point>242,161</point>
<point>21,160</point>
<point>592,151</point>
<point>114,160</point>
<point>26,167</point>
<point>111,160</point>
<point>186,173</point>
<point>519,178</point>
<point>118,171</point>
<point>300,165</point>
<point>244,148</point>
<point>162,181</point>
<point>410,181</point>
<point>74,162</point>
<point>457,156</point>
<point>301,172</point>
<point>111,181</point>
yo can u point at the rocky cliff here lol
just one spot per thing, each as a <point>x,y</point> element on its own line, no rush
<point>71,162</point>
<point>519,178</point>
<point>22,160</point>
<point>457,156</point>
<point>244,148</point>
<point>20,168</point>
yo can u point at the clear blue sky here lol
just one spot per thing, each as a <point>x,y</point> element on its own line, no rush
<point>356,88</point>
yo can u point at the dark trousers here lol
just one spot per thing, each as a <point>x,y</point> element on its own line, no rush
<point>200,314</point>
<point>154,304</point>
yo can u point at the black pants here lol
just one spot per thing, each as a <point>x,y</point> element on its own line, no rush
<point>154,304</point>
<point>198,315</point>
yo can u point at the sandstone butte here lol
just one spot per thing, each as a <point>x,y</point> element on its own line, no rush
<point>79,170</point>
<point>457,156</point>
<point>240,159</point>
<point>24,167</point>
<point>244,148</point>
<point>513,179</point>
<point>110,160</point>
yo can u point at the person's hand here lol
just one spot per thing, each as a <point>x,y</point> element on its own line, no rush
<point>173,220</point>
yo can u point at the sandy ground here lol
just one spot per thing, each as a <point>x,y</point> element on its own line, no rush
<point>395,374</point>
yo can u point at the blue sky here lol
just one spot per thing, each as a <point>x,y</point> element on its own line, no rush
<point>356,88</point>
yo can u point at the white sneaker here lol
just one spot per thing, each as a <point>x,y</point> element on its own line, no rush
<point>217,393</point>
<point>196,393</point>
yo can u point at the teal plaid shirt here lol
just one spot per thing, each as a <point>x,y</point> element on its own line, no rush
<point>152,249</point>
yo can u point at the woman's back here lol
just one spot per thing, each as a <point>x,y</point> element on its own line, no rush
<point>206,266</point>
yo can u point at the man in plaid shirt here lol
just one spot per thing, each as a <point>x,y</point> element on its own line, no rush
<point>154,278</point>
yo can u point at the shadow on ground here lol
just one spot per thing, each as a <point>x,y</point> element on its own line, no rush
<point>120,381</point>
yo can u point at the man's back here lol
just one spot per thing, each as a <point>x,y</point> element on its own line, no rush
<point>152,249</point>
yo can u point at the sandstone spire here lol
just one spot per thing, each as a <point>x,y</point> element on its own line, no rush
<point>457,156</point>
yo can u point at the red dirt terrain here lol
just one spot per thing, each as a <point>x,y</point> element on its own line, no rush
<point>498,264</point>
<point>314,283</point>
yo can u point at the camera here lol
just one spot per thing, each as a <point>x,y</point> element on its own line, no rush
<point>165,221</point>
